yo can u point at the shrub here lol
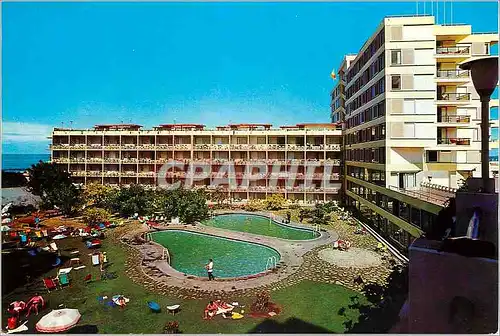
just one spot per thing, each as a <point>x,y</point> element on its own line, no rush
<point>254,205</point>
<point>95,216</point>
<point>171,327</point>
<point>275,202</point>
<point>261,303</point>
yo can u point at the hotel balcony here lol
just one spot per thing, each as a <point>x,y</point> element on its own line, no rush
<point>182,147</point>
<point>454,119</point>
<point>454,141</point>
<point>93,147</point>
<point>111,160</point>
<point>453,98</point>
<point>112,146</point>
<point>431,193</point>
<point>452,76</point>
<point>455,53</point>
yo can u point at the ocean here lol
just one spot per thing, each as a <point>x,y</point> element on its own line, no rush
<point>21,162</point>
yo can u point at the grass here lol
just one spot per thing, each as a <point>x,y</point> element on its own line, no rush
<point>315,303</point>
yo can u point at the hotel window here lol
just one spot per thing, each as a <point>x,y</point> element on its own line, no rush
<point>432,156</point>
<point>395,57</point>
<point>396,82</point>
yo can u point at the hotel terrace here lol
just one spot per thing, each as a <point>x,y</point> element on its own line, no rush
<point>127,154</point>
<point>411,122</point>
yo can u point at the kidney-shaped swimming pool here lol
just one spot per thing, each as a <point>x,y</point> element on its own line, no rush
<point>260,225</point>
<point>190,251</point>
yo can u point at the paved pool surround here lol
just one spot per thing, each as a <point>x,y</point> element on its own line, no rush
<point>291,252</point>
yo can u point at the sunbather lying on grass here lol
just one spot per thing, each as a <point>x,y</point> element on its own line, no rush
<point>210,310</point>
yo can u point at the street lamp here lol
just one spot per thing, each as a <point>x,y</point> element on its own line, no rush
<point>484,73</point>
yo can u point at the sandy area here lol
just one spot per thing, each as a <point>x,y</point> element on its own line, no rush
<point>355,257</point>
<point>18,196</point>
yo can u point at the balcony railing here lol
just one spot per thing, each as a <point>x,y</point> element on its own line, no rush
<point>456,119</point>
<point>454,96</point>
<point>453,50</point>
<point>453,74</point>
<point>454,141</point>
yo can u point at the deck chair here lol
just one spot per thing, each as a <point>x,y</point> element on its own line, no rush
<point>88,278</point>
<point>49,284</point>
<point>63,279</point>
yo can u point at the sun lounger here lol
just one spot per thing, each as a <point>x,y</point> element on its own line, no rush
<point>95,259</point>
<point>221,310</point>
<point>63,279</point>
<point>154,306</point>
<point>64,270</point>
<point>173,309</point>
<point>79,267</point>
<point>49,284</point>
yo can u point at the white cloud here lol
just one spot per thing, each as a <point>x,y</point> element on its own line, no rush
<point>25,132</point>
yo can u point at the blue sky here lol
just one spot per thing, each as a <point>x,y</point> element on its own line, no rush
<point>152,63</point>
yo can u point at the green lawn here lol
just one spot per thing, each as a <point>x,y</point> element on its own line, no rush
<point>314,303</point>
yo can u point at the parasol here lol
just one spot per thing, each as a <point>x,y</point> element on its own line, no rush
<point>58,320</point>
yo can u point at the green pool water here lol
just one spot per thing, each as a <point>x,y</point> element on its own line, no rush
<point>190,251</point>
<point>260,225</point>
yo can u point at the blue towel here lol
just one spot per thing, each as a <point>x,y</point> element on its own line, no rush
<point>23,238</point>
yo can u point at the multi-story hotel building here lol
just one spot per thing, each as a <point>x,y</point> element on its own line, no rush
<point>299,159</point>
<point>411,124</point>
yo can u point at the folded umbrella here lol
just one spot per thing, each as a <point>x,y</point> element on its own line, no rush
<point>58,320</point>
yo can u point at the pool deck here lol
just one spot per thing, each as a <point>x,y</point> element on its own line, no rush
<point>162,274</point>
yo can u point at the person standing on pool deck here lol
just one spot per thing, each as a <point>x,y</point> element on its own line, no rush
<point>210,269</point>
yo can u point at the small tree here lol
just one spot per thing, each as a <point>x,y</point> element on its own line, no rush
<point>192,206</point>
<point>44,177</point>
<point>275,202</point>
<point>96,194</point>
<point>93,216</point>
<point>54,186</point>
<point>131,200</point>
<point>66,197</point>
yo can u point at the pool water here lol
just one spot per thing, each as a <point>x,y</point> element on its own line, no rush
<point>260,225</point>
<point>190,251</point>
